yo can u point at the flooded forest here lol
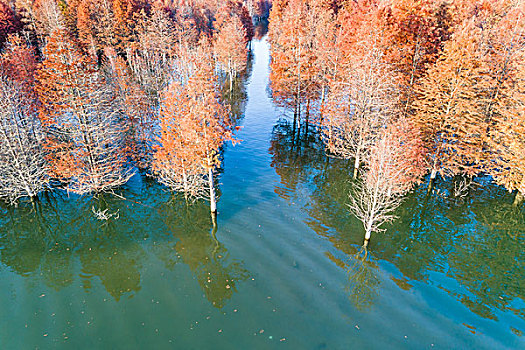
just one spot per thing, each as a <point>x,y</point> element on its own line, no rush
<point>257,174</point>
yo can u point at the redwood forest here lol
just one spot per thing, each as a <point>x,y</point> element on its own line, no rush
<point>262,174</point>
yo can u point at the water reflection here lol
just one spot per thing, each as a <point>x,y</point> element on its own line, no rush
<point>206,257</point>
<point>473,248</point>
<point>58,241</point>
<point>261,29</point>
<point>363,282</point>
<point>238,95</point>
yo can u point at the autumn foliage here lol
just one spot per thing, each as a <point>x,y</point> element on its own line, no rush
<point>84,133</point>
<point>450,70</point>
<point>106,87</point>
<point>91,90</point>
<point>194,125</point>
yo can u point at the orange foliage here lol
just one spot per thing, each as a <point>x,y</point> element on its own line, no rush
<point>84,134</point>
<point>18,62</point>
<point>230,48</point>
<point>194,125</point>
<point>504,102</point>
<point>447,110</point>
<point>235,9</point>
<point>133,103</point>
<point>9,22</point>
<point>294,71</point>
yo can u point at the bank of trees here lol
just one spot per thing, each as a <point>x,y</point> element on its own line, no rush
<point>449,72</point>
<point>93,90</point>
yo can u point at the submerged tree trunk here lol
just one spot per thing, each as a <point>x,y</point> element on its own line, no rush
<point>518,200</point>
<point>214,223</point>
<point>294,123</point>
<point>231,81</point>
<point>368,233</point>
<point>307,119</point>
<point>323,93</point>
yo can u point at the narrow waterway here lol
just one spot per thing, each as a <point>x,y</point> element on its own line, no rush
<point>279,272</point>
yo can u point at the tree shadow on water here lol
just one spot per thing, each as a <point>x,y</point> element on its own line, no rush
<point>363,282</point>
<point>199,248</point>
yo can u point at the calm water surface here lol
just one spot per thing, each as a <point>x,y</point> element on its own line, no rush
<point>279,272</point>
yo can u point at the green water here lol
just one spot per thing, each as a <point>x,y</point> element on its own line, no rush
<point>279,272</point>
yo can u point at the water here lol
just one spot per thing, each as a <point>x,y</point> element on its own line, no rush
<point>280,271</point>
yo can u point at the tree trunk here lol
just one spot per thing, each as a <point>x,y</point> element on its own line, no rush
<point>367,238</point>
<point>356,166</point>
<point>213,203</point>
<point>294,120</point>
<point>323,93</point>
<point>433,175</point>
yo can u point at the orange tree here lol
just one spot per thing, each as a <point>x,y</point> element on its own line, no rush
<point>84,133</point>
<point>194,124</point>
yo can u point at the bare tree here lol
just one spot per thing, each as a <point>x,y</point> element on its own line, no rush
<point>394,166</point>
<point>360,105</point>
<point>23,169</point>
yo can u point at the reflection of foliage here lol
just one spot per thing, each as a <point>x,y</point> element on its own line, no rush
<point>363,282</point>
<point>44,240</point>
<point>295,156</point>
<point>261,29</point>
<point>479,242</point>
<point>206,257</point>
<point>236,97</point>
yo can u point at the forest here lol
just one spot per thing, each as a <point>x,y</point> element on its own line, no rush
<point>93,91</point>
<point>407,91</point>
<point>363,162</point>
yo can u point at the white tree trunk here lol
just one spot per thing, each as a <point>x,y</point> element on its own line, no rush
<point>213,203</point>
<point>356,165</point>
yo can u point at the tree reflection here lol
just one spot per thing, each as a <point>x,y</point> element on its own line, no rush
<point>363,282</point>
<point>237,96</point>
<point>295,156</point>
<point>261,29</point>
<point>477,241</point>
<point>44,240</point>
<point>199,248</point>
